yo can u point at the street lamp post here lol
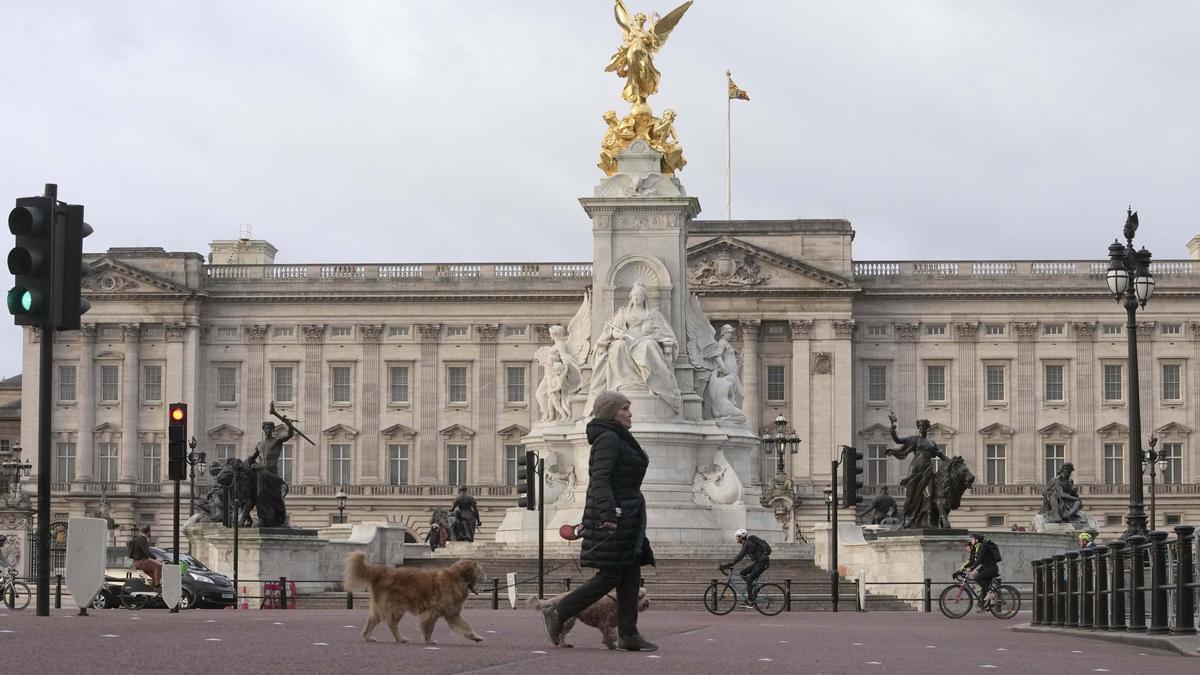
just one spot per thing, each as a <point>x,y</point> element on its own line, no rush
<point>1154,459</point>
<point>194,459</point>
<point>341,497</point>
<point>828,503</point>
<point>780,442</point>
<point>1131,283</point>
<point>12,468</point>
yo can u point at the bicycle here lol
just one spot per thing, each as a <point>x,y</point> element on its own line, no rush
<point>721,597</point>
<point>956,600</point>
<point>136,593</point>
<point>15,593</point>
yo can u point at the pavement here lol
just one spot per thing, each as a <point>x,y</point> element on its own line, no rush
<point>303,641</point>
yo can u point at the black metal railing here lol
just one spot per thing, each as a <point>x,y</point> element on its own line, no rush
<point>1107,587</point>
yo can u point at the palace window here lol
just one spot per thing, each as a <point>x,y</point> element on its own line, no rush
<point>227,332</point>
<point>287,462</point>
<point>283,331</point>
<point>1169,329</point>
<point>993,329</point>
<point>1052,329</point>
<point>1172,381</point>
<point>339,463</point>
<point>995,521</point>
<point>66,383</point>
<point>1112,382</point>
<point>1055,455</point>
<point>107,460</point>
<point>397,463</point>
<point>514,384</point>
<point>935,329</point>
<point>877,391</point>
<point>398,384</point>
<point>456,331</point>
<point>994,384</point>
<point>514,456</point>
<point>224,452</point>
<point>995,463</point>
<point>1054,387</point>
<point>342,384</point>
<point>152,383</point>
<point>1172,519</point>
<point>341,331</point>
<point>1114,463</point>
<point>397,331</point>
<point>514,331</point>
<point>151,462</point>
<point>776,384</point>
<point>64,462</point>
<point>935,384</point>
<point>227,384</point>
<point>109,384</point>
<point>1172,454</point>
<point>1112,521</point>
<point>877,329</point>
<point>877,473</point>
<point>1110,329</point>
<point>456,384</point>
<point>285,378</point>
<point>456,464</point>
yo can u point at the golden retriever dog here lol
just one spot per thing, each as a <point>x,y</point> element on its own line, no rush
<point>429,593</point>
<point>602,614</point>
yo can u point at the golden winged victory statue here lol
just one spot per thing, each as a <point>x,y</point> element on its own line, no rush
<point>643,37</point>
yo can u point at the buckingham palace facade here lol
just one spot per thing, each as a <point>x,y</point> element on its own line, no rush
<point>412,379</point>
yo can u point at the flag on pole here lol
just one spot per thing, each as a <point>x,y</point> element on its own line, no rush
<point>734,91</point>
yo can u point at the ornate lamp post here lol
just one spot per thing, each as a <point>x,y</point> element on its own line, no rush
<point>828,503</point>
<point>1154,459</point>
<point>194,459</point>
<point>780,442</point>
<point>1132,284</point>
<point>12,469</point>
<point>341,504</point>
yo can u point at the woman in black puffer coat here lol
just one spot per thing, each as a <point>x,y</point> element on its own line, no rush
<point>614,524</point>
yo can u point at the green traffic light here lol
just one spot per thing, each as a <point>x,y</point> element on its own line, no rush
<point>20,301</point>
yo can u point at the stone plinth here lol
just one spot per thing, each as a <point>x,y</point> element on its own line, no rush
<point>314,562</point>
<point>890,561</point>
<point>1089,523</point>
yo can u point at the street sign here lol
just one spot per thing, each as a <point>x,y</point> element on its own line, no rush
<point>172,584</point>
<point>85,558</point>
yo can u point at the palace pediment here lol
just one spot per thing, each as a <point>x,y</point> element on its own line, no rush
<point>340,430</point>
<point>1172,430</point>
<point>398,431</point>
<point>1114,430</point>
<point>225,431</point>
<point>1056,430</point>
<point>457,431</point>
<point>513,431</point>
<point>108,276</point>
<point>996,430</point>
<point>727,264</point>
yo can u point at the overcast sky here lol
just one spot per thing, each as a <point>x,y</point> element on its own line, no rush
<point>354,131</point>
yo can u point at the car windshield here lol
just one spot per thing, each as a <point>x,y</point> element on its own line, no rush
<point>192,563</point>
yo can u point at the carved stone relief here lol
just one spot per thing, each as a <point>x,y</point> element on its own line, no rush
<point>822,363</point>
<point>725,267</point>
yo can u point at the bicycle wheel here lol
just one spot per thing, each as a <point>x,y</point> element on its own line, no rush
<point>955,601</point>
<point>720,598</point>
<point>130,601</point>
<point>17,596</point>
<point>769,599</point>
<point>1007,602</point>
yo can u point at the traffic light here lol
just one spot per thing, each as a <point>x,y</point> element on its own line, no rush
<point>29,261</point>
<point>851,476</point>
<point>526,475</point>
<point>177,422</point>
<point>69,267</point>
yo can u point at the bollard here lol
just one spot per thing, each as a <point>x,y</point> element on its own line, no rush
<point>1116,590</point>
<point>567,584</point>
<point>1060,589</point>
<point>787,595</point>
<point>495,593</point>
<point>57,591</point>
<point>1101,609</point>
<point>1072,589</point>
<point>1158,584</point>
<point>282,592</point>
<point>1036,566</point>
<point>1087,598</point>
<point>928,595</point>
<point>1047,590</point>
<point>349,599</point>
<point>1137,583</point>
<point>1185,594</point>
<point>860,593</point>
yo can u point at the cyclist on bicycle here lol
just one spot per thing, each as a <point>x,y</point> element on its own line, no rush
<point>759,552</point>
<point>1086,540</point>
<point>983,566</point>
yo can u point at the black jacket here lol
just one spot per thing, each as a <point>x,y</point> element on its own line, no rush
<point>753,547</point>
<point>981,556</point>
<point>616,468</point>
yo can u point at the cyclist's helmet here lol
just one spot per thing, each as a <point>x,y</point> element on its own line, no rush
<point>741,532</point>
<point>1085,537</point>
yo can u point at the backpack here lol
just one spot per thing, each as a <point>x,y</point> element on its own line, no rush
<point>994,550</point>
<point>763,548</point>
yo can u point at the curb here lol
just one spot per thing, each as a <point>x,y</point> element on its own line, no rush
<point>1184,645</point>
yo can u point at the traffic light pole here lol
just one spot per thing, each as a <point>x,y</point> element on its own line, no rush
<point>45,372</point>
<point>541,528</point>
<point>175,553</point>
<point>834,582</point>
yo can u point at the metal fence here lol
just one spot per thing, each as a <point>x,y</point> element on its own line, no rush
<point>1105,588</point>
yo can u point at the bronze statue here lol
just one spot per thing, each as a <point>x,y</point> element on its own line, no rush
<point>466,515</point>
<point>1060,500</point>
<point>882,507</point>
<point>930,491</point>
<point>269,485</point>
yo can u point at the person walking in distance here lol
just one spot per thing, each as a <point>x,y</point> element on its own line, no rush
<point>614,524</point>
<point>143,559</point>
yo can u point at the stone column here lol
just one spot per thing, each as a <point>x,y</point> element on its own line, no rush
<point>1025,459</point>
<point>85,404</point>
<point>308,458</point>
<point>1146,378</point>
<point>485,463</point>
<point>256,354</point>
<point>905,392</point>
<point>749,333</point>
<point>1192,468</point>
<point>128,464</point>
<point>968,393</point>
<point>839,429</point>
<point>802,410</point>
<point>1084,452</point>
<point>371,465</point>
<point>428,405</point>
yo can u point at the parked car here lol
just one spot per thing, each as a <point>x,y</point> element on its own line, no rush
<point>202,587</point>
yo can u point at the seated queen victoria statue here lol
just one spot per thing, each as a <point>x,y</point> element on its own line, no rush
<point>635,350</point>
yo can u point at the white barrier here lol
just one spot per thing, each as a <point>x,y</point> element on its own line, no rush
<point>85,558</point>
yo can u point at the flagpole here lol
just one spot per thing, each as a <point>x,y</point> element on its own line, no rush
<point>728,155</point>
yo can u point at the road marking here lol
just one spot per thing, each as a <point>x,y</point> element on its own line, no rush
<point>1099,670</point>
<point>653,656</point>
<point>537,651</point>
<point>856,644</point>
<point>930,646</point>
<point>767,660</point>
<point>109,635</point>
<point>783,642</point>
<point>135,618</point>
<point>277,623</point>
<point>1076,651</point>
<point>1143,654</point>
<point>210,621</point>
<point>489,631</point>
<point>987,665</point>
<point>326,644</point>
<point>874,663</point>
<point>212,639</point>
<point>347,626</point>
<point>710,640</point>
<point>7,631</point>
<point>1001,649</point>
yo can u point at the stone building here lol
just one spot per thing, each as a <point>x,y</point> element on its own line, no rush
<point>414,378</point>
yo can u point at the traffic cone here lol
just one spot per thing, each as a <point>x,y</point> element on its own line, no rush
<point>244,605</point>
